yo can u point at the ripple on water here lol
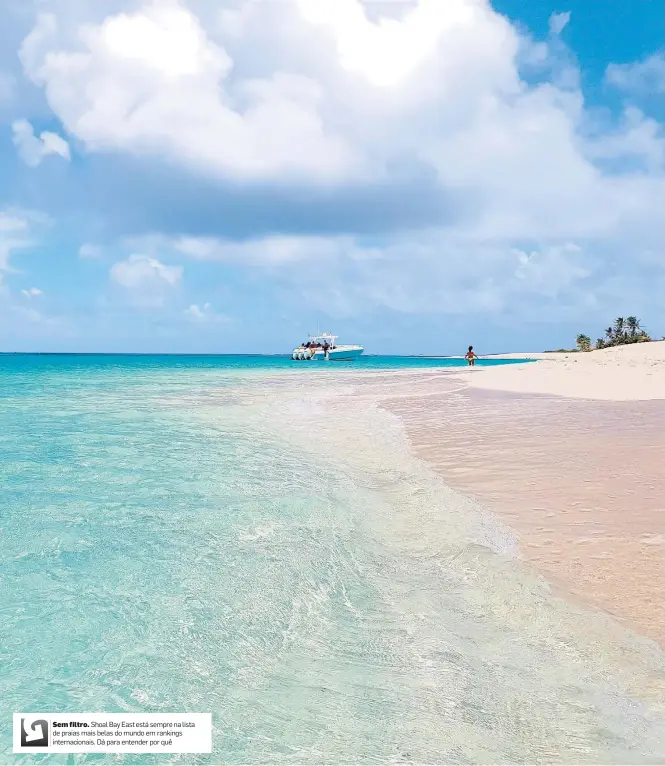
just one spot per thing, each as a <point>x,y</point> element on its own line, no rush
<point>302,578</point>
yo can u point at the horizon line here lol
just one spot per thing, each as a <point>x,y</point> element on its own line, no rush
<point>195,353</point>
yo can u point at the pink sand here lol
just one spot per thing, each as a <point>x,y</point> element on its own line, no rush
<point>581,479</point>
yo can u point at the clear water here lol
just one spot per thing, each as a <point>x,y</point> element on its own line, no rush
<point>200,534</point>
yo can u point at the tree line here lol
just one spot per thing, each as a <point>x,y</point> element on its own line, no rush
<point>622,332</point>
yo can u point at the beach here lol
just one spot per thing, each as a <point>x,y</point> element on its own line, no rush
<point>570,451</point>
<point>634,372</point>
<point>343,564</point>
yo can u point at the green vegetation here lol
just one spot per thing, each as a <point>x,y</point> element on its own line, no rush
<point>622,332</point>
<point>583,342</point>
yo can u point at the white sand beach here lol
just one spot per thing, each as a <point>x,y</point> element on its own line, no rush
<point>634,372</point>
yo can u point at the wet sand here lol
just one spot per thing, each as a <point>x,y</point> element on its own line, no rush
<point>581,482</point>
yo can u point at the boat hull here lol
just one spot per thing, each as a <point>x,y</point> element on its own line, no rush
<point>339,354</point>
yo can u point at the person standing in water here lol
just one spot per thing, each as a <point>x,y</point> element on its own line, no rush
<point>471,356</point>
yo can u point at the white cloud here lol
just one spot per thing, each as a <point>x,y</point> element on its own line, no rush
<point>388,53</point>
<point>141,270</point>
<point>334,96</point>
<point>550,198</point>
<point>203,314</point>
<point>32,292</point>
<point>638,138</point>
<point>640,77</point>
<point>88,250</point>
<point>146,280</point>
<point>153,82</point>
<point>33,149</point>
<point>270,250</point>
<point>442,273</point>
<point>558,22</point>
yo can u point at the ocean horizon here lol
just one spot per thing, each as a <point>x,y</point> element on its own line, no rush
<point>487,358</point>
<point>252,537</point>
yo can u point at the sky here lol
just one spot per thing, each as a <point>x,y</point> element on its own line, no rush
<point>414,175</point>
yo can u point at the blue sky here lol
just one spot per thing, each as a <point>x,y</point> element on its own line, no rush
<point>189,175</point>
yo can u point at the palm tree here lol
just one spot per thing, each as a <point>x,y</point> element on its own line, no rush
<point>633,325</point>
<point>619,327</point>
<point>583,342</point>
<point>623,331</point>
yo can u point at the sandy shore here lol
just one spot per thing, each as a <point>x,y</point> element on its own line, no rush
<point>570,451</point>
<point>626,373</point>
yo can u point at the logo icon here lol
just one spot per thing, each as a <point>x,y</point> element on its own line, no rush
<point>34,733</point>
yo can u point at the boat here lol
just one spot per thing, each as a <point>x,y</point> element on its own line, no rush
<point>324,347</point>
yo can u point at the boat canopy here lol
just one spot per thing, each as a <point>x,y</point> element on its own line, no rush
<point>322,338</point>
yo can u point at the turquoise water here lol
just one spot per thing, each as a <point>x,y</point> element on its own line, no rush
<point>215,534</point>
<point>33,363</point>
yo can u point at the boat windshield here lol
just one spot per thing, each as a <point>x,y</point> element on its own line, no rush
<point>324,340</point>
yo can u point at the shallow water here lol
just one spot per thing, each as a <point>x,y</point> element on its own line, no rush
<point>261,546</point>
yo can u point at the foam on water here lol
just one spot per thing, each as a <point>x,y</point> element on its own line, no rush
<point>275,555</point>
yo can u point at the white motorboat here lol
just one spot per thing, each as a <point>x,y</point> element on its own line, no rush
<point>324,347</point>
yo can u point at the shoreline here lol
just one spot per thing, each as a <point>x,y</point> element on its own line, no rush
<point>570,456</point>
<point>576,481</point>
<point>560,450</point>
<point>468,609</point>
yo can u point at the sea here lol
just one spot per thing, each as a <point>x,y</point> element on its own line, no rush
<point>252,537</point>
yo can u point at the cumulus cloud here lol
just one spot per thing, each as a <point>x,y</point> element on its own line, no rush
<point>154,82</point>
<point>319,100</point>
<point>641,77</point>
<point>339,98</point>
<point>387,53</point>
<point>33,149</point>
